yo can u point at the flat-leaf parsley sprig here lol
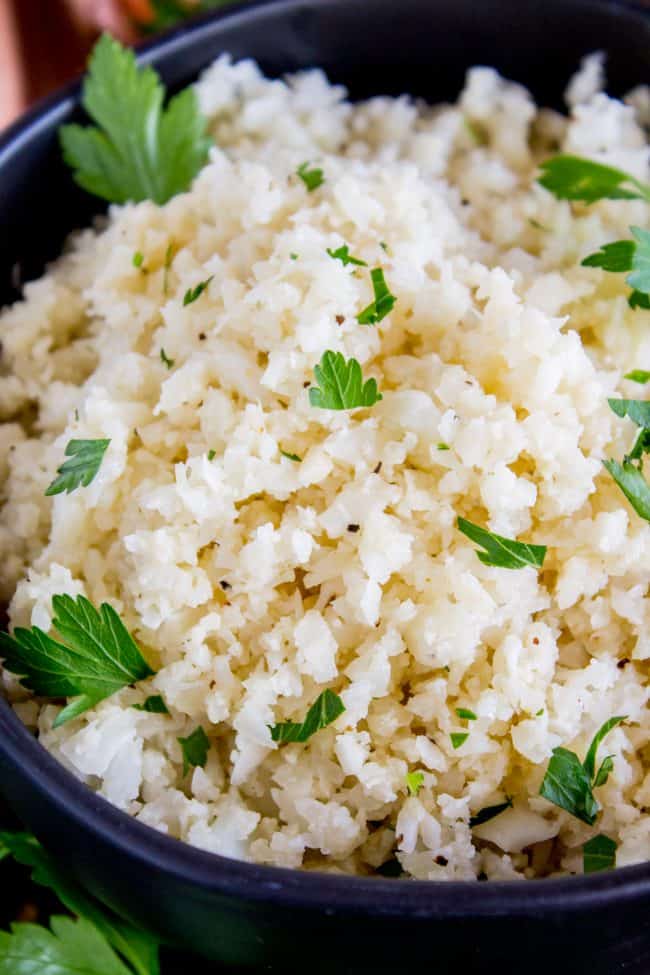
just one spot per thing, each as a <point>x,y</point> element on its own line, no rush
<point>138,150</point>
<point>504,553</point>
<point>383,303</point>
<point>574,178</point>
<point>327,707</point>
<point>85,459</point>
<point>96,656</point>
<point>340,384</point>
<point>569,783</point>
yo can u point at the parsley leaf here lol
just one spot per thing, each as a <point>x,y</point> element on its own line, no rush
<point>212,454</point>
<point>638,299</point>
<point>627,255</point>
<point>414,782</point>
<point>458,738</point>
<point>598,853</point>
<point>633,485</point>
<point>138,151</point>
<point>442,446</point>
<point>343,255</point>
<point>327,707</point>
<point>574,178</point>
<point>85,460</point>
<point>613,257</point>
<point>193,293</point>
<point>340,384</point>
<point>164,358</point>
<point>637,410</point>
<point>640,376</point>
<point>465,714</point>
<point>137,947</point>
<point>294,457</point>
<point>69,948</point>
<point>569,783</point>
<point>383,303</point>
<point>312,178</point>
<point>489,812</point>
<point>138,259</point>
<point>97,658</point>
<point>195,749</point>
<point>152,705</point>
<point>505,553</point>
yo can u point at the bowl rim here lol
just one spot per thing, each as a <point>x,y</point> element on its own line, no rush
<point>292,888</point>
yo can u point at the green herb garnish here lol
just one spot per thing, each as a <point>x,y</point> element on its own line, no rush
<point>442,446</point>
<point>98,656</point>
<point>169,257</point>
<point>67,947</point>
<point>574,178</point>
<point>195,749</point>
<point>343,255</point>
<point>138,151</point>
<point>414,782</point>
<point>327,707</point>
<point>85,460</point>
<point>489,812</point>
<point>168,362</point>
<point>458,738</point>
<point>138,259</point>
<point>212,454</point>
<point>294,457</point>
<point>627,255</point>
<point>569,783</point>
<point>152,705</point>
<point>312,178</point>
<point>341,385</point>
<point>505,553</point>
<point>383,303</point>
<point>640,376</point>
<point>598,853</point>
<point>137,947</point>
<point>637,410</point>
<point>465,714</point>
<point>193,293</point>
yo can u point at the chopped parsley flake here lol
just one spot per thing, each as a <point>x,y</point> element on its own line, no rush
<point>465,714</point>
<point>489,812</point>
<point>195,749</point>
<point>640,376</point>
<point>598,853</point>
<point>152,705</point>
<point>327,707</point>
<point>168,362</point>
<point>294,457</point>
<point>414,782</point>
<point>138,259</point>
<point>458,738</point>
<point>212,454</point>
<point>312,178</point>
<point>193,293</point>
<point>343,255</point>
<point>504,553</point>
<point>383,303</point>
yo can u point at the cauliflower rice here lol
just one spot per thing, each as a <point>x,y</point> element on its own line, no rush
<point>253,582</point>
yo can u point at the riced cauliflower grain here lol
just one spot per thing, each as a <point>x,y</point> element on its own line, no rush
<point>253,581</point>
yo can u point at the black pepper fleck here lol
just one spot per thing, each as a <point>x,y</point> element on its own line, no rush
<point>225,585</point>
<point>353,528</point>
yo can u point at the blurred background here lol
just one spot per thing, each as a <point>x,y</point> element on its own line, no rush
<point>44,43</point>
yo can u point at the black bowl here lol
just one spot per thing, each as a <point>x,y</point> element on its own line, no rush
<point>241,913</point>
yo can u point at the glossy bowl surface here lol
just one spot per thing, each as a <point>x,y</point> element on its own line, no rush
<point>242,913</point>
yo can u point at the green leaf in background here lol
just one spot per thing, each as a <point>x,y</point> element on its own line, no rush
<point>340,384</point>
<point>71,947</point>
<point>97,658</point>
<point>504,553</point>
<point>136,946</point>
<point>80,470</point>
<point>195,749</point>
<point>574,178</point>
<point>598,853</point>
<point>138,150</point>
<point>327,707</point>
<point>383,303</point>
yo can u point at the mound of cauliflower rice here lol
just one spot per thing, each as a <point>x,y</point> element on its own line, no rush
<point>261,550</point>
